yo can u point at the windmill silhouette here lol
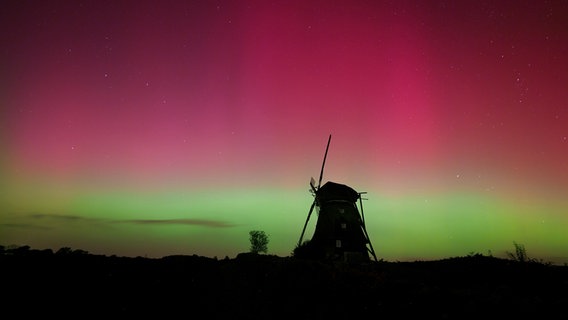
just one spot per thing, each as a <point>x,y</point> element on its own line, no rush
<point>340,232</point>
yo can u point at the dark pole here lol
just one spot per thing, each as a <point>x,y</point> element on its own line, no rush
<point>315,191</point>
<point>323,164</point>
<point>305,224</point>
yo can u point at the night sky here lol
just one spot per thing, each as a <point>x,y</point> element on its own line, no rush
<point>152,128</point>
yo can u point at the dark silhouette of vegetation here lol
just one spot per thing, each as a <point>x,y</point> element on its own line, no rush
<point>520,253</point>
<point>307,250</point>
<point>258,241</point>
<point>73,283</point>
<point>69,251</point>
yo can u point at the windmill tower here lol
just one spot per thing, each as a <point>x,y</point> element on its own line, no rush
<point>340,232</point>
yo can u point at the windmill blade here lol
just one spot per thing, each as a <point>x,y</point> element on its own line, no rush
<point>323,164</point>
<point>306,224</point>
<point>364,228</point>
<point>312,184</point>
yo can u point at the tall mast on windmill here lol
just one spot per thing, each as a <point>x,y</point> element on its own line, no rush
<point>314,191</point>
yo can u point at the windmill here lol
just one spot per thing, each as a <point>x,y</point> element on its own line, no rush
<point>340,231</point>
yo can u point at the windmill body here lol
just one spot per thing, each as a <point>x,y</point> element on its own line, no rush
<point>340,232</point>
<point>339,229</point>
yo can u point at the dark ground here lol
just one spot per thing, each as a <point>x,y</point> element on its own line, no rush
<point>79,284</point>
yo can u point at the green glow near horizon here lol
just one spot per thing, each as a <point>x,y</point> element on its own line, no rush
<point>400,228</point>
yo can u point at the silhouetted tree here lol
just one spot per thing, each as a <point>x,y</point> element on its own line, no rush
<point>258,241</point>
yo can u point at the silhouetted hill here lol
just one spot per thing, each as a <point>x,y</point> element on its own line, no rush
<point>43,283</point>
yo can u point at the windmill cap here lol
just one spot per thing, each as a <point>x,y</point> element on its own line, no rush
<point>336,191</point>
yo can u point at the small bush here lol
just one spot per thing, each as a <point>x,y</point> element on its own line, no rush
<point>306,250</point>
<point>520,253</point>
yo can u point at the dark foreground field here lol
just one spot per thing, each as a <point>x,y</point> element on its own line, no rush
<point>41,283</point>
